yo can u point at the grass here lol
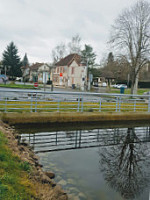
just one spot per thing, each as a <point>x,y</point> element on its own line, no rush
<point>20,86</point>
<point>49,106</point>
<point>140,91</point>
<point>14,178</point>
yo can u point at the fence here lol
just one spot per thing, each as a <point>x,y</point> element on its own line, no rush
<point>74,139</point>
<point>39,101</point>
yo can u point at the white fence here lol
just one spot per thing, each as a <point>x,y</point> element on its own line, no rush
<point>39,101</point>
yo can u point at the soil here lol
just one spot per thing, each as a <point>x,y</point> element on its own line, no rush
<point>46,188</point>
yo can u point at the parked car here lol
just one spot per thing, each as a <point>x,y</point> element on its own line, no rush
<point>121,86</point>
<point>114,86</point>
<point>19,79</point>
<point>104,84</point>
<point>3,78</point>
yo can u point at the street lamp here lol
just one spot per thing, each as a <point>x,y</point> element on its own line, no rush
<point>5,70</point>
<point>84,75</point>
<point>51,67</point>
<point>44,78</point>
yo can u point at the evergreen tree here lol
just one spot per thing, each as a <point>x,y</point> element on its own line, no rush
<point>12,61</point>
<point>88,55</point>
<point>25,61</point>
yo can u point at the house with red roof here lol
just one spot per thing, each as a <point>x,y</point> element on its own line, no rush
<point>39,72</point>
<point>70,72</point>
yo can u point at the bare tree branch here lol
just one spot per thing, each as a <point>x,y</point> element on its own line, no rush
<point>131,37</point>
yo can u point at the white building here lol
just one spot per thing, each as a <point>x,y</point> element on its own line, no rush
<point>70,72</point>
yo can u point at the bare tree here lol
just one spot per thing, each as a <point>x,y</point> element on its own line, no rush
<point>126,166</point>
<point>131,36</point>
<point>74,46</point>
<point>58,52</point>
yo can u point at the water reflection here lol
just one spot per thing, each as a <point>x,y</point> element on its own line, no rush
<point>74,139</point>
<point>126,167</point>
<point>123,154</point>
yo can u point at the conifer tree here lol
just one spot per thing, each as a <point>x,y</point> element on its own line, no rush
<point>88,56</point>
<point>11,61</point>
<point>25,61</point>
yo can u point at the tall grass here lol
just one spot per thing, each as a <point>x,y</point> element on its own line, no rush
<point>14,178</point>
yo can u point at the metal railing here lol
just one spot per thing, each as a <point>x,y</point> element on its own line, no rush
<point>75,139</point>
<point>39,101</point>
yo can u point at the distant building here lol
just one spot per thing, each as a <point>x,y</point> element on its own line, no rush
<point>70,72</point>
<point>38,72</point>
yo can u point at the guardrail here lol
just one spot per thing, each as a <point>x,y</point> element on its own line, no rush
<point>74,139</point>
<point>38,101</point>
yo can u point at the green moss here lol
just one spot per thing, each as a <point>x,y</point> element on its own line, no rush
<point>14,180</point>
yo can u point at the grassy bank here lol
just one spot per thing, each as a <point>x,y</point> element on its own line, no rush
<point>14,175</point>
<point>20,86</point>
<point>140,91</point>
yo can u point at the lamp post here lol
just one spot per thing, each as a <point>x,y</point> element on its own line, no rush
<point>84,75</point>
<point>5,70</point>
<point>44,78</point>
<point>51,67</point>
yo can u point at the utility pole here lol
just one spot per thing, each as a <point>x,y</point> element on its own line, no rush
<point>44,78</point>
<point>89,81</point>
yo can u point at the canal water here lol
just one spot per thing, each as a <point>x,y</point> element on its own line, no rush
<point>96,163</point>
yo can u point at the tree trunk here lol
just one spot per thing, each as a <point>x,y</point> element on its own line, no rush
<point>134,86</point>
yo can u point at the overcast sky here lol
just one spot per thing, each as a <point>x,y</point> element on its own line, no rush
<point>37,26</point>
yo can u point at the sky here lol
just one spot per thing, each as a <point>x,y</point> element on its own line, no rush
<point>37,26</point>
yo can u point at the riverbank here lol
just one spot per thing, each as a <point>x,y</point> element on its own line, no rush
<point>73,117</point>
<point>21,175</point>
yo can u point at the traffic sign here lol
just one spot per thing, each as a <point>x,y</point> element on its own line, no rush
<point>36,84</point>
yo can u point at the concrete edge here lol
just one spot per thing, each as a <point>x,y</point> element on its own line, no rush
<point>29,118</point>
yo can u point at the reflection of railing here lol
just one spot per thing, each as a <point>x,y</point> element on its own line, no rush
<point>36,101</point>
<point>65,140</point>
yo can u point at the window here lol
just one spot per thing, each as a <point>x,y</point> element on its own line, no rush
<point>58,70</point>
<point>72,80</point>
<point>72,70</point>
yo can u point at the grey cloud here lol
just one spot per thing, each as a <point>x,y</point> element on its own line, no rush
<point>37,26</point>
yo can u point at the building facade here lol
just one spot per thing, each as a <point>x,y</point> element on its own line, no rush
<point>70,72</point>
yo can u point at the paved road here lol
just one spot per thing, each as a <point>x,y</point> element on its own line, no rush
<point>15,93</point>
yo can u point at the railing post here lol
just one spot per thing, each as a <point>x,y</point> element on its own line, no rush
<point>58,106</point>
<point>135,105</point>
<point>82,104</point>
<point>31,103</point>
<point>78,109</point>
<point>116,104</point>
<point>149,104</point>
<point>100,104</point>
<point>5,104</point>
<point>36,103</point>
<point>119,104</point>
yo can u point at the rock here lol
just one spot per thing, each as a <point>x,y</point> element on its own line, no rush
<point>73,197</point>
<point>50,174</point>
<point>62,182</point>
<point>24,143</point>
<point>82,195</point>
<point>59,193</point>
<point>45,179</point>
<point>70,181</point>
<point>37,164</point>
